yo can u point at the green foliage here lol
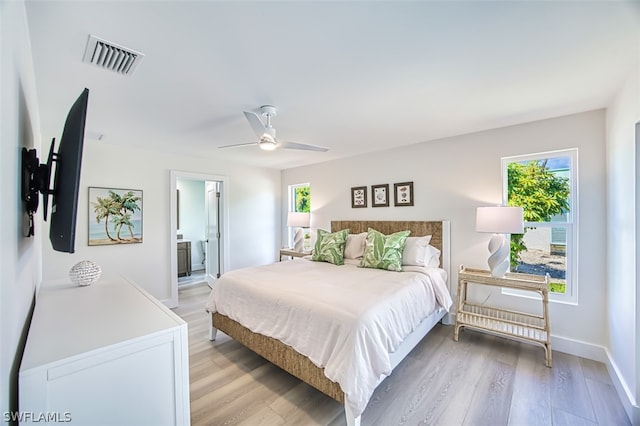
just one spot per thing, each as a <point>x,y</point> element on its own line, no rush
<point>558,287</point>
<point>541,194</point>
<point>516,246</point>
<point>303,199</point>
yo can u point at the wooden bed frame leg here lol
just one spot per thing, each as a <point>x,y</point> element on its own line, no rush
<point>212,332</point>
<point>351,419</point>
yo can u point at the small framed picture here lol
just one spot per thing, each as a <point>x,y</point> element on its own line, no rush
<point>403,194</point>
<point>380,195</point>
<point>359,197</point>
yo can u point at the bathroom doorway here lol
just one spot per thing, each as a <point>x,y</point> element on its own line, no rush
<point>198,229</point>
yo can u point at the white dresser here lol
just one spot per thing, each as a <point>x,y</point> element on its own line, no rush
<point>106,354</point>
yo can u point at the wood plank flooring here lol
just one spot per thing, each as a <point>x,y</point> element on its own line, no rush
<point>480,380</point>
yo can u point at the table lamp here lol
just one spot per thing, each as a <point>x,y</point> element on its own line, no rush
<point>298,221</point>
<point>499,220</point>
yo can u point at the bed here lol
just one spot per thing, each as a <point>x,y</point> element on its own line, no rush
<point>342,364</point>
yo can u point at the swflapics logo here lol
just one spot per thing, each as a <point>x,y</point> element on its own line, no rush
<point>29,416</point>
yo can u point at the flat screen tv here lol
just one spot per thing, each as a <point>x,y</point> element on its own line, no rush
<point>66,183</point>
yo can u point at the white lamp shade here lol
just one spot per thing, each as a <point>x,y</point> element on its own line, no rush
<point>499,220</point>
<point>298,219</point>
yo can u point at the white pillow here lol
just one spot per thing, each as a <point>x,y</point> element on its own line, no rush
<point>415,251</point>
<point>433,257</point>
<point>356,243</point>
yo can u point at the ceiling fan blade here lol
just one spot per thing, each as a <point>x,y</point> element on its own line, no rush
<point>302,146</point>
<point>255,123</point>
<point>237,145</point>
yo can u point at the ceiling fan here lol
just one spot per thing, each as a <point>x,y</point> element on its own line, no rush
<point>267,133</point>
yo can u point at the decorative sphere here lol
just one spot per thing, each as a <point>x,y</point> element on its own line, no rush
<point>85,273</point>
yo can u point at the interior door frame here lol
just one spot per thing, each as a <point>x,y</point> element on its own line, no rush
<point>173,225</point>
<point>209,275</point>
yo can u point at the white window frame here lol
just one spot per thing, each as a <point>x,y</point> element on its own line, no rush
<point>292,206</point>
<point>571,224</point>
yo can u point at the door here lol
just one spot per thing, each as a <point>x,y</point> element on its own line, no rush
<point>213,237</point>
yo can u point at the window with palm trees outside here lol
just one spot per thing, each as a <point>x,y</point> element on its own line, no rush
<point>544,186</point>
<point>299,201</point>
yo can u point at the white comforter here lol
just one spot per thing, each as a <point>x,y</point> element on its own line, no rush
<point>345,319</point>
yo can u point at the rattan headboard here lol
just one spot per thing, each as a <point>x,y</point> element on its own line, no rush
<point>417,228</point>
<point>438,229</point>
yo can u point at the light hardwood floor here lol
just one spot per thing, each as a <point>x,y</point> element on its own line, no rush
<point>480,380</point>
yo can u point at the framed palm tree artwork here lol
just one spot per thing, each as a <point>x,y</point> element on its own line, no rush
<point>115,216</point>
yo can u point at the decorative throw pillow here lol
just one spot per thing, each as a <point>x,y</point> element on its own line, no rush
<point>354,248</point>
<point>415,251</point>
<point>330,247</point>
<point>384,251</point>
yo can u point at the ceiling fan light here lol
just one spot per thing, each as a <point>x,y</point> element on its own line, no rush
<point>267,145</point>
<point>266,137</point>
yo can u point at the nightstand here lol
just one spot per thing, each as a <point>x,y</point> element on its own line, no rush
<point>522,326</point>
<point>291,253</point>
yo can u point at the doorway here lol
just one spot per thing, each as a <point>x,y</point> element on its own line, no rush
<point>213,237</point>
<point>198,229</point>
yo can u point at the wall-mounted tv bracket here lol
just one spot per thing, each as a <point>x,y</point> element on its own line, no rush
<point>35,180</point>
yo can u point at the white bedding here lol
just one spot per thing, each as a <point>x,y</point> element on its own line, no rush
<point>345,319</point>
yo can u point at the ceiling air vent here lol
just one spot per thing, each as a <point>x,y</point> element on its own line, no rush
<point>110,56</point>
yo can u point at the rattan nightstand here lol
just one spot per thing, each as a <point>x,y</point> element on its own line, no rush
<point>522,326</point>
<point>291,253</point>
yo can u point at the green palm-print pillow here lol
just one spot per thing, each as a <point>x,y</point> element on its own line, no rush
<point>330,246</point>
<point>384,251</point>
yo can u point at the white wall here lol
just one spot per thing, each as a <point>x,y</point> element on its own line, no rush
<point>254,202</point>
<point>20,258</point>
<point>622,240</point>
<point>192,218</point>
<point>454,176</point>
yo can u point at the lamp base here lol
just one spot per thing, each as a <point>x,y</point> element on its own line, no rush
<point>298,240</point>
<point>499,248</point>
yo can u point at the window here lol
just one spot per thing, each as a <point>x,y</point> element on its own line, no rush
<point>300,198</point>
<point>544,185</point>
<point>299,201</point>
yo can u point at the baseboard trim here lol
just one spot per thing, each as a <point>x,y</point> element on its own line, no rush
<point>625,394</point>
<point>579,348</point>
<point>601,354</point>
<point>170,303</point>
<point>449,318</point>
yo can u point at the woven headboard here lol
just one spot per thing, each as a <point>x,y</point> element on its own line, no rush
<point>417,228</point>
<point>438,229</point>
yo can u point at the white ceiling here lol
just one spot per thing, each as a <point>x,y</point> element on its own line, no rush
<point>351,76</point>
